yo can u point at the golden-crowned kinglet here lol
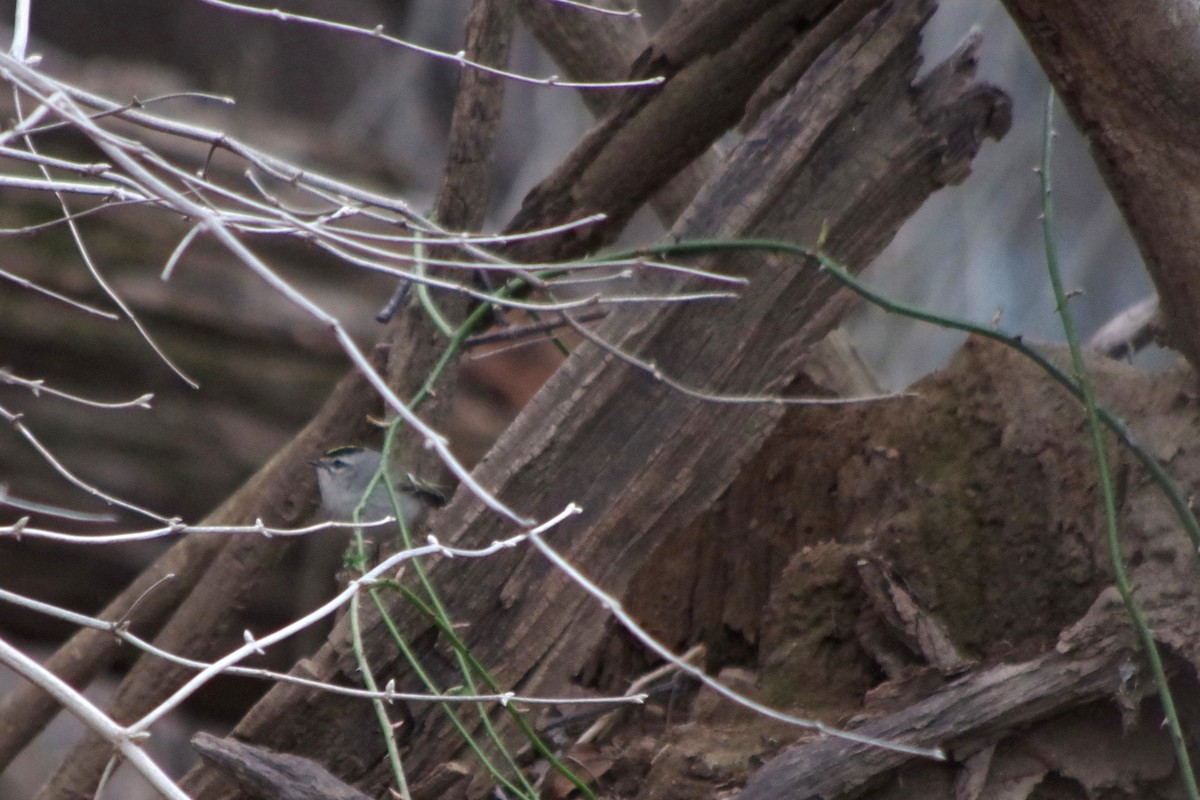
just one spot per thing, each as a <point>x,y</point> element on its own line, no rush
<point>344,474</point>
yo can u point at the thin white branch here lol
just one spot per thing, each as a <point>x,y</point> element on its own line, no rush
<point>28,284</point>
<point>23,126</point>
<point>574,280</point>
<point>268,223</point>
<point>509,302</point>
<point>29,128</point>
<point>333,191</point>
<point>336,191</point>
<point>57,612</point>
<point>112,147</point>
<point>459,58</point>
<point>38,387</point>
<point>100,280</point>
<point>20,41</point>
<point>106,190</point>
<point>611,604</point>
<point>18,154</point>
<point>179,250</point>
<point>631,13</point>
<point>15,421</point>
<point>259,529</point>
<point>465,237</point>
<point>120,630</point>
<point>56,221</point>
<point>109,768</point>
<point>256,644</point>
<point>655,372</point>
<point>91,716</point>
<point>330,189</point>
<point>357,240</point>
<point>7,499</point>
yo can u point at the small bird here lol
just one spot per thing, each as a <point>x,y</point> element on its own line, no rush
<point>343,475</point>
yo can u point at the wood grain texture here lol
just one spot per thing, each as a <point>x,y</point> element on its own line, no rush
<point>855,148</point>
<point>713,57</point>
<point>969,714</point>
<point>1128,75</point>
<point>264,775</point>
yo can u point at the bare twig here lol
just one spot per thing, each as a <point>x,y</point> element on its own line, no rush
<point>459,58</point>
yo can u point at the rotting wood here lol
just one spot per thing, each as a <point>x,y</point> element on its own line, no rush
<point>965,717</point>
<point>657,450</point>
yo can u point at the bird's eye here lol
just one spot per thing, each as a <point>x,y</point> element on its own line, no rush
<point>338,463</point>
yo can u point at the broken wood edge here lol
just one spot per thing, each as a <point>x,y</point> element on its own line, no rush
<point>965,717</point>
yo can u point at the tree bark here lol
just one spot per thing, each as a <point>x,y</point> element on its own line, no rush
<point>1127,73</point>
<point>852,151</point>
<point>713,58</point>
<point>964,718</point>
